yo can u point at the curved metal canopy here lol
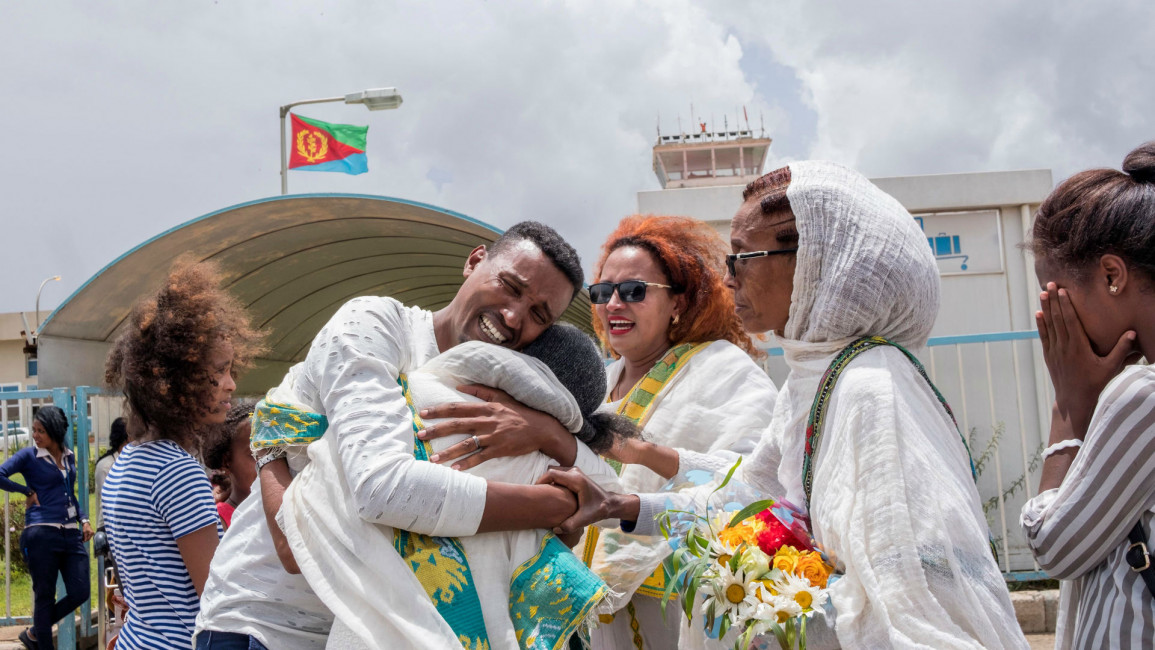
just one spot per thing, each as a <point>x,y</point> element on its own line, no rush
<point>291,261</point>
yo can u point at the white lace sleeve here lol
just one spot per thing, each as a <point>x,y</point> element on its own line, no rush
<point>354,364</point>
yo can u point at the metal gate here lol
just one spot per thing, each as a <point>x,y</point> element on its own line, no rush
<point>90,413</point>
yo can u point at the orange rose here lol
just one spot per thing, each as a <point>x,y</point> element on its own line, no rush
<point>744,532</point>
<point>811,567</point>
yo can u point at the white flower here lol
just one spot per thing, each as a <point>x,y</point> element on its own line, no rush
<point>777,610</point>
<point>799,590</point>
<point>730,593</point>
<point>721,551</point>
<point>754,562</point>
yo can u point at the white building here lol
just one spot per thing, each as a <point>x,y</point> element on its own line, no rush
<point>975,223</point>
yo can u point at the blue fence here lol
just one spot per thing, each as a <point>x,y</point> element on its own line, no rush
<point>16,409</point>
<point>997,386</point>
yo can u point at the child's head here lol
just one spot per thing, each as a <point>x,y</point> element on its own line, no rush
<point>229,453</point>
<point>576,362</point>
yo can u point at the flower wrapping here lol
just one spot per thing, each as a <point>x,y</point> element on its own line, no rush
<point>748,568</point>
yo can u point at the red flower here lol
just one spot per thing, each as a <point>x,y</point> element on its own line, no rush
<point>774,536</point>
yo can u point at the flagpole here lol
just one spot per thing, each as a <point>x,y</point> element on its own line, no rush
<point>375,100</point>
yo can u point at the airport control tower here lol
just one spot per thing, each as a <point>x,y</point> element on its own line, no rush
<point>705,159</point>
<point>703,172</point>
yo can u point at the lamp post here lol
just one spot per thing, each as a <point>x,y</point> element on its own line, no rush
<point>376,99</point>
<point>38,291</point>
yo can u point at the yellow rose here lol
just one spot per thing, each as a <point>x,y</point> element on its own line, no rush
<point>811,567</point>
<point>785,559</point>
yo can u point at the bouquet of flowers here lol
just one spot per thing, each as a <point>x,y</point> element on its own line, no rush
<point>756,569</point>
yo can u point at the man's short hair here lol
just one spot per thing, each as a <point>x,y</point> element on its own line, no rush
<point>558,250</point>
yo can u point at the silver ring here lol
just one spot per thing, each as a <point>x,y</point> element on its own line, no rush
<point>476,442</point>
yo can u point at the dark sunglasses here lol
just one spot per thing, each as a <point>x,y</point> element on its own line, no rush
<point>734,257</point>
<point>628,291</point>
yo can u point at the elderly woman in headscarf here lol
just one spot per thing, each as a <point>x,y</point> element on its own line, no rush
<point>841,273</point>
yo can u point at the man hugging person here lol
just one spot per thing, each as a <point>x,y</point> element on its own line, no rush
<point>512,579</point>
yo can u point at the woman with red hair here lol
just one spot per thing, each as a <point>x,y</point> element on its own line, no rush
<point>684,374</point>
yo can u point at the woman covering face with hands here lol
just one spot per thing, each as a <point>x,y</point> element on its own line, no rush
<point>1094,242</point>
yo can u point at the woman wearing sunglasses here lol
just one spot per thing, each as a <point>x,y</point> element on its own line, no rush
<point>684,374</point>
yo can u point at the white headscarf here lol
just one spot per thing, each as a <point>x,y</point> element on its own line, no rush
<point>864,266</point>
<point>894,502</point>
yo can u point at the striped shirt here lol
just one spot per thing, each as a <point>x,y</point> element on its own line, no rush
<point>1078,532</point>
<point>156,493</point>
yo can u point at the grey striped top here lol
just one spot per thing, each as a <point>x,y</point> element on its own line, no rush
<point>1078,532</point>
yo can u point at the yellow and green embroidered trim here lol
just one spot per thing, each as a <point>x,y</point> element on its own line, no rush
<point>550,595</point>
<point>275,424</point>
<point>440,563</point>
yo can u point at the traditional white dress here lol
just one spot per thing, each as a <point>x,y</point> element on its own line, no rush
<point>894,504</point>
<point>351,563</point>
<point>720,400</point>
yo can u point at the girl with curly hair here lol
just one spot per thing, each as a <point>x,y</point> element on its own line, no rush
<point>684,374</point>
<point>176,362</point>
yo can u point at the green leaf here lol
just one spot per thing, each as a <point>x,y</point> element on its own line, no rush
<point>750,511</point>
<point>725,626</point>
<point>747,637</point>
<point>730,474</point>
<point>780,634</point>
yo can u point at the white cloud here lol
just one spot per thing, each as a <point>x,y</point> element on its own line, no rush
<point>909,88</point>
<point>125,119</point>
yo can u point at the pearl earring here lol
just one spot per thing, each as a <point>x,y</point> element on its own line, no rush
<point>1113,289</point>
<point>675,321</point>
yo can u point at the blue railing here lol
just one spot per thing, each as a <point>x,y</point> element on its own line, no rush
<point>960,339</point>
<point>999,390</point>
<point>75,406</point>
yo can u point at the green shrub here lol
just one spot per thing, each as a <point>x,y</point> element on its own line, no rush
<point>15,527</point>
<point>92,469</point>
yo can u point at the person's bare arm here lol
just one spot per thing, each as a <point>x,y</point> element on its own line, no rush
<point>275,478</point>
<point>524,507</point>
<point>197,550</point>
<point>1078,374</point>
<point>664,461</point>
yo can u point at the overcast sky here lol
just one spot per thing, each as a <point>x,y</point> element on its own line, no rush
<point>124,119</point>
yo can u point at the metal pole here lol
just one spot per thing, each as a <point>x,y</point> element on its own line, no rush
<point>284,155</point>
<point>38,292</point>
<point>284,148</point>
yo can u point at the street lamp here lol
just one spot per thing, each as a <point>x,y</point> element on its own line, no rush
<point>375,99</point>
<point>38,291</point>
